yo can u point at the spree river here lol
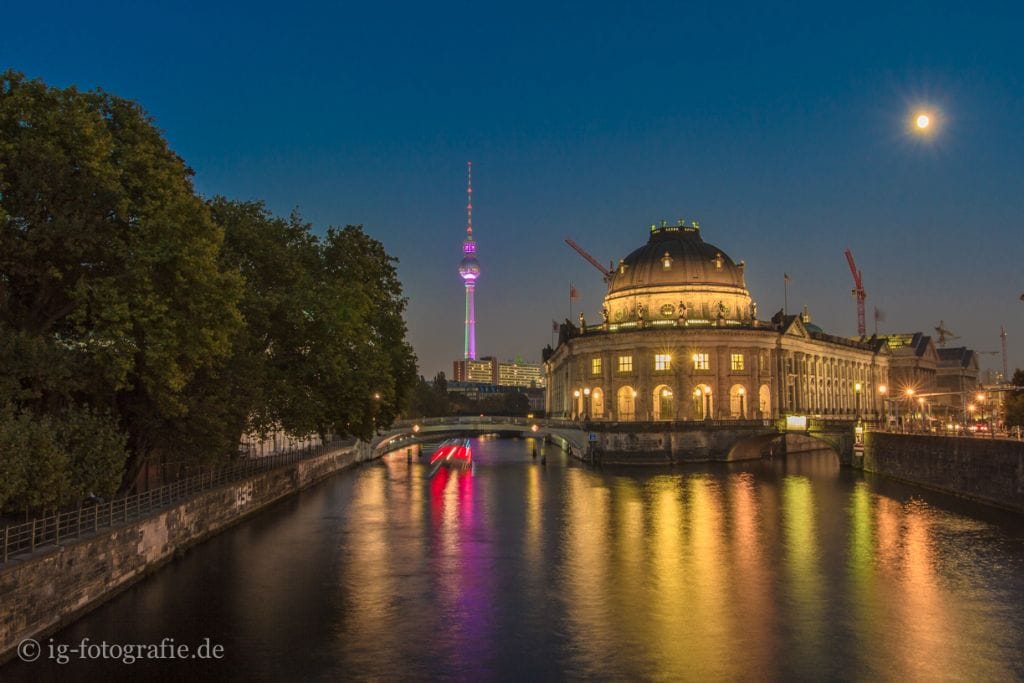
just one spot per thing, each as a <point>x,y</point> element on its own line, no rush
<point>785,569</point>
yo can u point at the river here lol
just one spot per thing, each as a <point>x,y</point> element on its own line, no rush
<point>517,570</point>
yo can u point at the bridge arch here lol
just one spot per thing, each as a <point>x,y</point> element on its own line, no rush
<point>780,444</point>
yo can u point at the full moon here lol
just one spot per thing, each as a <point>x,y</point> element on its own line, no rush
<point>923,121</point>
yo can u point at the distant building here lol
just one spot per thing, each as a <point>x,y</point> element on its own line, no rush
<point>914,363</point>
<point>483,371</point>
<point>489,370</point>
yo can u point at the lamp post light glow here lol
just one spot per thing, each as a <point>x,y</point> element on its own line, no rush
<point>885,418</point>
<point>742,392</point>
<point>923,121</point>
<point>856,392</point>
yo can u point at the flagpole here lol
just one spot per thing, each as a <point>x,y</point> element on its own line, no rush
<point>785,294</point>
<point>570,302</point>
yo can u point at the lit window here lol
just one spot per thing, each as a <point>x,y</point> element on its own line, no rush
<point>595,366</point>
<point>625,363</point>
<point>737,361</point>
<point>701,362</point>
<point>662,361</point>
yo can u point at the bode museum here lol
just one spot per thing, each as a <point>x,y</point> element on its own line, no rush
<point>680,339</point>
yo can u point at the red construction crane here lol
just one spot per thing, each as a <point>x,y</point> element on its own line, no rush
<point>590,259</point>
<point>858,291</point>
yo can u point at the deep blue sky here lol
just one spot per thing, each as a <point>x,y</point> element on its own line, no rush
<point>781,127</point>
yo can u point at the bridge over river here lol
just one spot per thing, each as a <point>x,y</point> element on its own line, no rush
<point>661,442</point>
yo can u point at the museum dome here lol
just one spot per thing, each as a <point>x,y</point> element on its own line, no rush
<point>676,255</point>
<point>678,275</point>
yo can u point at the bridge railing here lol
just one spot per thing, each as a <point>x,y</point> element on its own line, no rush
<point>27,537</point>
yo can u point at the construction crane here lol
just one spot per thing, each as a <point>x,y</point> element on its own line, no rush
<point>607,274</point>
<point>858,291</point>
<point>945,334</point>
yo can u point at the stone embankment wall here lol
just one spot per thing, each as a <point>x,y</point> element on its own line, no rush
<point>45,591</point>
<point>645,447</point>
<point>987,470</point>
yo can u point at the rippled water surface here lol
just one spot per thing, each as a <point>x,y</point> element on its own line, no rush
<point>789,569</point>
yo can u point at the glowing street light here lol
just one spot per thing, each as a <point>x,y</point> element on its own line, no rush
<point>881,391</point>
<point>923,121</point>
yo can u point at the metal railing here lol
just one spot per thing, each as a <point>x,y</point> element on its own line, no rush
<point>25,538</point>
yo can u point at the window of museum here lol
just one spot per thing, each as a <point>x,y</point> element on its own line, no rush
<point>625,363</point>
<point>737,361</point>
<point>595,366</point>
<point>701,361</point>
<point>662,361</point>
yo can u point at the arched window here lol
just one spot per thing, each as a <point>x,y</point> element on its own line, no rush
<point>663,404</point>
<point>702,406</point>
<point>764,395</point>
<point>739,405</point>
<point>597,403</point>
<point>626,404</point>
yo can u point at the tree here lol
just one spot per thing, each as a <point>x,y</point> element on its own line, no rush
<point>323,349</point>
<point>1015,401</point>
<point>109,268</point>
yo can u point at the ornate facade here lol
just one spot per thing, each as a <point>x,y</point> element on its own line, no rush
<point>680,340</point>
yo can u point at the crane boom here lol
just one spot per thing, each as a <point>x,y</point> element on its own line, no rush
<point>590,259</point>
<point>858,291</point>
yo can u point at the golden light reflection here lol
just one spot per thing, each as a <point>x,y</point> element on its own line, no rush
<point>751,575</point>
<point>802,567</point>
<point>370,580</point>
<point>588,580</point>
<point>533,540</point>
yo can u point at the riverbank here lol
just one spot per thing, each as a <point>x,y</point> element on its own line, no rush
<point>989,471</point>
<point>51,588</point>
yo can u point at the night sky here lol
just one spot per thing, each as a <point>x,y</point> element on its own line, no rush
<point>783,128</point>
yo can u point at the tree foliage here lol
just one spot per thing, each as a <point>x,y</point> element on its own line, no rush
<point>137,319</point>
<point>1015,401</point>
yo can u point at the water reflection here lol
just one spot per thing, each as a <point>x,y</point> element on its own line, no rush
<point>772,570</point>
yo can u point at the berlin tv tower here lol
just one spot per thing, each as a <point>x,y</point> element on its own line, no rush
<point>469,268</point>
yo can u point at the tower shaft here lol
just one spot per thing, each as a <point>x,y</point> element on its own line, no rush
<point>470,340</point>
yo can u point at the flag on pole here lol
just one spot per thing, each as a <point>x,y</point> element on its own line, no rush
<point>786,278</point>
<point>554,326</point>
<point>879,315</point>
<point>572,292</point>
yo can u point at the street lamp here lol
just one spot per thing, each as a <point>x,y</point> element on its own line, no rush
<point>856,393</point>
<point>910,404</point>
<point>575,404</point>
<point>920,403</point>
<point>586,404</point>
<point>885,418</point>
<point>742,394</point>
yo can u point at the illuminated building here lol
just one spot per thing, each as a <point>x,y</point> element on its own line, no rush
<point>469,270</point>
<point>489,370</point>
<point>680,339</point>
<point>914,362</point>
